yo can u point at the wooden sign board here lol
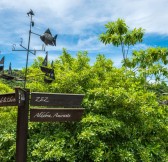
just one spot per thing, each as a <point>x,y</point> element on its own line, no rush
<point>8,99</point>
<point>53,115</point>
<point>56,99</point>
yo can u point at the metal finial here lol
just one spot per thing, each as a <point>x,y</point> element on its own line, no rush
<point>30,13</point>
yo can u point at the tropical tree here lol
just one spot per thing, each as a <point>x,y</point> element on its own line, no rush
<point>122,121</point>
<point>118,34</point>
<point>118,121</point>
<point>150,64</point>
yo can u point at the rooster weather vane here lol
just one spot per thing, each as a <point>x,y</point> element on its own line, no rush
<point>47,39</point>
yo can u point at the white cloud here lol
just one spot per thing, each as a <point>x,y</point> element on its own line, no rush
<point>74,16</point>
<point>81,18</point>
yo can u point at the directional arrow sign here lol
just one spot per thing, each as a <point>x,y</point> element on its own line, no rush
<point>56,99</point>
<point>55,114</point>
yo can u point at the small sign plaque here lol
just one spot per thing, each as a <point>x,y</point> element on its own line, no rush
<point>56,99</point>
<point>21,97</point>
<point>8,99</point>
<point>52,115</point>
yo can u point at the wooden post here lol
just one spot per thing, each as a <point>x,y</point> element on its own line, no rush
<point>69,111</point>
<point>22,124</point>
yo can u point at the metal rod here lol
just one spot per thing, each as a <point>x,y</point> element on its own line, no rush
<point>35,34</point>
<point>22,50</point>
<point>28,50</point>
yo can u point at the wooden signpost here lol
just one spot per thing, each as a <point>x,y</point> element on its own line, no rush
<point>68,108</point>
<point>22,124</point>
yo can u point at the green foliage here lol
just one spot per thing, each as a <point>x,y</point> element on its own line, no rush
<point>125,125</point>
<point>51,142</point>
<point>7,134</point>
<point>14,83</point>
<point>150,64</point>
<point>7,129</point>
<point>118,34</point>
<point>122,122</point>
<point>4,88</point>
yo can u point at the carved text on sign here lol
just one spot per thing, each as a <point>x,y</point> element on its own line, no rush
<point>49,115</point>
<point>55,114</point>
<point>7,99</point>
<point>42,99</point>
<point>56,99</point>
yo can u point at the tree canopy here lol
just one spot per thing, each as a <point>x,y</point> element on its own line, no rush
<point>118,34</point>
<point>122,120</point>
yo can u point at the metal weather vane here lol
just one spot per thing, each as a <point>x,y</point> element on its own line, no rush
<point>22,98</point>
<point>47,38</point>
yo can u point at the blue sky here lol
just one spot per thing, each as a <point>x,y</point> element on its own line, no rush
<point>78,24</point>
